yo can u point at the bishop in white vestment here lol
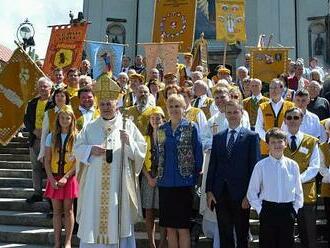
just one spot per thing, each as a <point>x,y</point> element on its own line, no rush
<point>98,207</point>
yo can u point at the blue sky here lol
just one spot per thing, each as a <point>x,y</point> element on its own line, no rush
<point>40,13</point>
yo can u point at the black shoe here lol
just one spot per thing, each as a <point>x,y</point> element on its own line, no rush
<point>34,198</point>
<point>75,228</point>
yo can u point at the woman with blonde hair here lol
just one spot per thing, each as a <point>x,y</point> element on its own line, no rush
<point>180,162</point>
<point>62,185</point>
<point>149,189</point>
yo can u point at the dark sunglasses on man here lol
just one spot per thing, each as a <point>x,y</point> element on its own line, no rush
<point>289,118</point>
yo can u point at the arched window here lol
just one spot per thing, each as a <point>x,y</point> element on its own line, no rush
<point>116,33</point>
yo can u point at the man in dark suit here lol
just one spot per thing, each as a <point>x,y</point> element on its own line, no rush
<point>234,153</point>
<point>33,119</point>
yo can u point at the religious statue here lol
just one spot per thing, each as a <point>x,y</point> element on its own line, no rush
<point>318,45</point>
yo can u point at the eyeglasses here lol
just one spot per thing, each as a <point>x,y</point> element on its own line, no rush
<point>289,118</point>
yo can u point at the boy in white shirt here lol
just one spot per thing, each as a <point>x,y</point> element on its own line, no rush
<point>275,192</point>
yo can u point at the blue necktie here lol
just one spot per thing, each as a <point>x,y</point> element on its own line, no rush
<point>293,143</point>
<point>231,143</point>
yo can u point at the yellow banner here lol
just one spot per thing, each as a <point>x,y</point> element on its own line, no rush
<point>175,20</point>
<point>268,63</point>
<point>162,56</point>
<point>230,20</point>
<point>18,84</point>
<point>200,53</point>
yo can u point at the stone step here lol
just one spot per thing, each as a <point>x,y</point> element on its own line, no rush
<point>25,218</point>
<point>45,236</point>
<point>14,157</point>
<point>10,192</point>
<point>15,164</point>
<point>19,173</point>
<point>3,245</point>
<point>40,219</point>
<point>17,182</point>
<point>11,150</point>
<point>16,144</point>
<point>19,204</point>
<point>23,139</point>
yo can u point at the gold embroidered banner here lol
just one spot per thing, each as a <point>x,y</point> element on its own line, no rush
<point>65,47</point>
<point>268,63</point>
<point>18,84</point>
<point>175,20</point>
<point>230,20</point>
<point>200,53</point>
<point>162,56</point>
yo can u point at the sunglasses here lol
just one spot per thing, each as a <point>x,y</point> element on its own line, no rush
<point>289,118</point>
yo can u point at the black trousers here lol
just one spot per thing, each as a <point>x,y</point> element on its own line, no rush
<point>327,214</point>
<point>307,225</point>
<point>276,225</point>
<point>230,215</point>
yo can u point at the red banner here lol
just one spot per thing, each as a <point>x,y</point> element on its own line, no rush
<point>65,47</point>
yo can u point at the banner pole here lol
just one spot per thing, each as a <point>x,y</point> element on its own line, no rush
<point>224,55</point>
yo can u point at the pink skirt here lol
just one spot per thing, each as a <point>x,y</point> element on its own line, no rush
<point>69,191</point>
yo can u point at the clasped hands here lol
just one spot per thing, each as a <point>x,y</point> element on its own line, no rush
<point>99,150</point>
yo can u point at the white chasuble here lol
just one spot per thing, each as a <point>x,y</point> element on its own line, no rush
<point>97,213</point>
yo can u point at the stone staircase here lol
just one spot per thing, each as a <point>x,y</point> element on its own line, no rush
<point>26,225</point>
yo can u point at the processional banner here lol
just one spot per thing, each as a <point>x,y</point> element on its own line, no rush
<point>65,47</point>
<point>200,53</point>
<point>105,57</point>
<point>268,63</point>
<point>162,56</point>
<point>230,20</point>
<point>174,20</point>
<point>18,84</point>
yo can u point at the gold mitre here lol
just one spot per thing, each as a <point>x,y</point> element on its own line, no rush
<point>107,89</point>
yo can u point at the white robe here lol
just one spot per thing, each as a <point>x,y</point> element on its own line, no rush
<point>99,184</point>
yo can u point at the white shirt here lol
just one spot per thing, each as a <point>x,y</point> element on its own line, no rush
<point>237,130</point>
<point>324,168</point>
<point>259,127</point>
<point>213,109</point>
<point>201,101</point>
<point>87,114</point>
<point>258,97</point>
<point>218,122</point>
<point>314,163</point>
<point>310,125</point>
<point>275,180</point>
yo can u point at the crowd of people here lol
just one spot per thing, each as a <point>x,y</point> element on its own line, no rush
<point>143,142</point>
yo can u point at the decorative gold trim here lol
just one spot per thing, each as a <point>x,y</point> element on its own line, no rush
<point>103,237</point>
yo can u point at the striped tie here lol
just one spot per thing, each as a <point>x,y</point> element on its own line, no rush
<point>231,143</point>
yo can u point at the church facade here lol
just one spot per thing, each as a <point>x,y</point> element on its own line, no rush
<point>300,24</point>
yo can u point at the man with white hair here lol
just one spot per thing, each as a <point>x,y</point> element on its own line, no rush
<point>85,67</point>
<point>317,105</point>
<point>122,81</point>
<point>33,119</point>
<point>196,75</point>
<point>202,101</point>
<point>205,79</point>
<point>241,73</point>
<point>154,74</point>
